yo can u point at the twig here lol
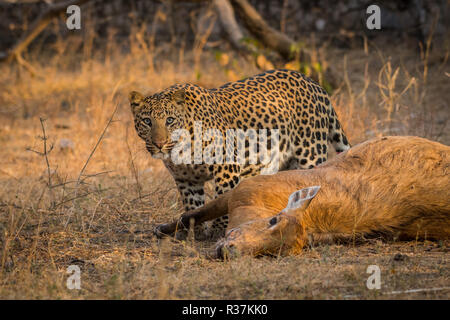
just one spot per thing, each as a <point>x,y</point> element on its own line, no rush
<point>63,184</point>
<point>80,196</point>
<point>133,167</point>
<point>45,154</point>
<point>151,194</point>
<point>44,138</point>
<point>87,176</point>
<point>95,147</point>
<point>87,162</point>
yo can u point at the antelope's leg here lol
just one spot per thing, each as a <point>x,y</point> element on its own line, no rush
<point>331,238</point>
<point>212,210</point>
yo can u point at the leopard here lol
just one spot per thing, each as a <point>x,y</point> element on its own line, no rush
<point>287,101</point>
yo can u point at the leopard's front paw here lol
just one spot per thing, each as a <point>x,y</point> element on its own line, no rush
<point>160,231</point>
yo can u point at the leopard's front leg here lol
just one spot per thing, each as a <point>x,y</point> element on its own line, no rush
<point>192,194</point>
<point>193,197</point>
<point>226,177</point>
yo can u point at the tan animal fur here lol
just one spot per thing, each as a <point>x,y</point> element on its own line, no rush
<point>397,187</point>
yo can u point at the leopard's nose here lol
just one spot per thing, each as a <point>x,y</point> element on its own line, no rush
<point>159,144</point>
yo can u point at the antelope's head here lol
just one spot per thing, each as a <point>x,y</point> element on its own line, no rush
<point>278,235</point>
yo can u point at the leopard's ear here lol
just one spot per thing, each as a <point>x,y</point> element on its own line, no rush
<point>135,100</point>
<point>179,96</point>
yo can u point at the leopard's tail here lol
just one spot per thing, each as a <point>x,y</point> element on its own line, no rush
<point>336,135</point>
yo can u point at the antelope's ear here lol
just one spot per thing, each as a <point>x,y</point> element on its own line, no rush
<point>300,199</point>
<point>135,100</point>
<point>179,96</point>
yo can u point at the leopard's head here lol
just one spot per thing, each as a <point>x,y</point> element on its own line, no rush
<point>156,117</point>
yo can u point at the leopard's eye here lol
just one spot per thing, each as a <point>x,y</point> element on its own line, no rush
<point>170,120</point>
<point>273,221</point>
<point>147,121</point>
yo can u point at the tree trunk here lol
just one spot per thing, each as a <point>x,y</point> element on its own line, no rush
<point>229,23</point>
<point>270,37</point>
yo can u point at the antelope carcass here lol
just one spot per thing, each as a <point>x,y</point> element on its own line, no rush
<point>394,187</point>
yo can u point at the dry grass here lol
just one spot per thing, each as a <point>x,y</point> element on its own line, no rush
<point>70,205</point>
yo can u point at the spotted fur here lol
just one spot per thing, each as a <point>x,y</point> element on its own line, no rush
<point>278,99</point>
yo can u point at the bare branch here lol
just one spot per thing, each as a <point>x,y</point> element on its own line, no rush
<point>35,29</point>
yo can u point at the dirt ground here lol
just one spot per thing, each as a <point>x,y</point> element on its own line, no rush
<point>89,194</point>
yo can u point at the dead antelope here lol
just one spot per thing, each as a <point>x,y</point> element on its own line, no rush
<point>396,187</point>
